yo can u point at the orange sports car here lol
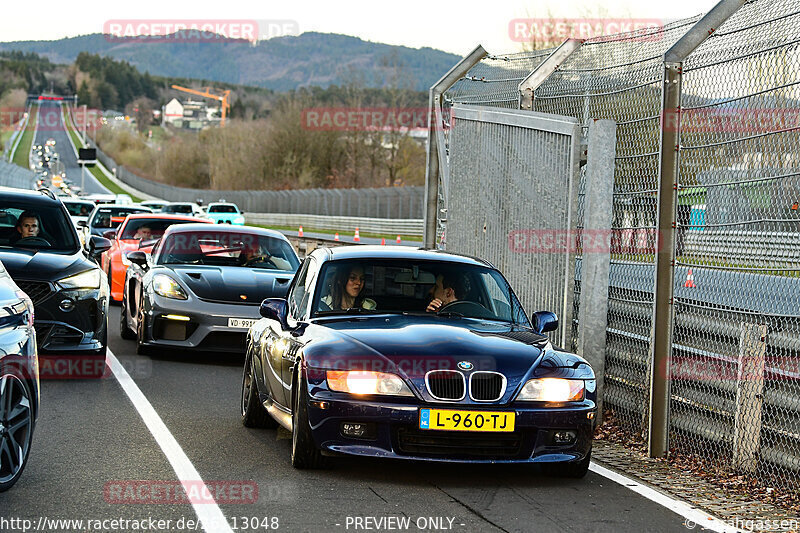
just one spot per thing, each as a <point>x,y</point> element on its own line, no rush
<point>136,232</point>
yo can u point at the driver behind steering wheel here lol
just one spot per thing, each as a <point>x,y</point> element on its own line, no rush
<point>28,226</point>
<point>450,287</point>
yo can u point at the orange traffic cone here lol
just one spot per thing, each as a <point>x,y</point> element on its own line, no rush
<point>689,279</point>
<point>356,237</point>
<point>383,242</point>
<point>398,239</point>
<point>300,232</point>
<point>336,237</point>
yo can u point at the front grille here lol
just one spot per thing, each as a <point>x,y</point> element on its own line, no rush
<point>226,341</point>
<point>36,290</point>
<point>487,386</point>
<point>446,384</point>
<point>42,331</point>
<point>458,444</point>
<point>63,335</point>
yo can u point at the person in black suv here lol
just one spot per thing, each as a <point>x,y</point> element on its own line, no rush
<point>68,289</point>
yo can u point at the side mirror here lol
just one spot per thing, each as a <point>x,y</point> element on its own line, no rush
<point>83,224</point>
<point>110,234</point>
<point>139,258</point>
<point>275,309</point>
<point>98,245</point>
<point>545,321</point>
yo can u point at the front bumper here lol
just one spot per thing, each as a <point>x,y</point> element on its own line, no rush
<point>205,330</point>
<point>68,320</point>
<point>394,432</point>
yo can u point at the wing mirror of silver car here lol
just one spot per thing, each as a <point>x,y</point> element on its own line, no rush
<point>140,258</point>
<point>275,309</point>
<point>545,321</point>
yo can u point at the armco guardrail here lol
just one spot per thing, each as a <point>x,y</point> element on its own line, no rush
<point>384,202</point>
<point>760,247</point>
<point>13,142</point>
<point>339,223</point>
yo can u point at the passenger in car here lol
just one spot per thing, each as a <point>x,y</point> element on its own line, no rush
<point>450,287</point>
<point>348,284</point>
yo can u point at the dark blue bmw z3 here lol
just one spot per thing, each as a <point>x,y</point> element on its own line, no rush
<point>415,354</point>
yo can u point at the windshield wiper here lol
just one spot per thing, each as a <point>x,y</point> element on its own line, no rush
<point>449,314</point>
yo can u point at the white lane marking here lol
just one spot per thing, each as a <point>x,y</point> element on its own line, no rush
<point>210,514</point>
<point>694,517</point>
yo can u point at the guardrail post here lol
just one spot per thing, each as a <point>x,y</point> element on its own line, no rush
<point>749,396</point>
<point>596,263</point>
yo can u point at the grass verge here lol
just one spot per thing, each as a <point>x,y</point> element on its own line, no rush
<point>23,153</point>
<point>95,171</point>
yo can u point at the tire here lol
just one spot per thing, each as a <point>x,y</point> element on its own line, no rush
<point>15,389</point>
<point>575,470</point>
<point>124,331</point>
<point>304,452</point>
<point>253,413</point>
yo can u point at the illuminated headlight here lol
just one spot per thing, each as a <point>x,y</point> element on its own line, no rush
<point>552,390</point>
<point>167,287</point>
<point>85,280</point>
<point>238,219</point>
<point>362,382</point>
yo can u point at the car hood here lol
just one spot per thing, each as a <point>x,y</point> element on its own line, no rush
<point>228,284</point>
<point>417,344</point>
<point>41,265</point>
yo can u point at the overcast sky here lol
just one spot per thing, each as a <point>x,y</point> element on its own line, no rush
<point>455,26</point>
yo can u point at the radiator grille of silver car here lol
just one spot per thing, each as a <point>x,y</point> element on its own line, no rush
<point>446,384</point>
<point>486,386</point>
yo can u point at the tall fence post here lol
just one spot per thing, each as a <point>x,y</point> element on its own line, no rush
<point>668,186</point>
<point>596,263</point>
<point>749,396</point>
<point>436,158</point>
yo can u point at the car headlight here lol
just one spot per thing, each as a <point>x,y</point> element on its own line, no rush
<point>238,219</point>
<point>363,382</point>
<point>167,287</point>
<point>85,280</point>
<point>125,260</point>
<point>553,390</point>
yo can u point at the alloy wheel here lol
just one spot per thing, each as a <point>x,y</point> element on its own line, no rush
<point>16,426</point>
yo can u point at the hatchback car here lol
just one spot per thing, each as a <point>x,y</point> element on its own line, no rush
<point>224,213</point>
<point>68,289</point>
<point>415,354</point>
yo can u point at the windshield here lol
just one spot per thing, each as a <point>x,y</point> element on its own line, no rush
<point>227,249</point>
<point>177,208</point>
<point>223,209</point>
<point>112,217</point>
<point>394,286</point>
<point>145,229</point>
<point>37,226</point>
<point>79,209</point>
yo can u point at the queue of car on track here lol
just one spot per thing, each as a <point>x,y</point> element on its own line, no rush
<point>376,351</point>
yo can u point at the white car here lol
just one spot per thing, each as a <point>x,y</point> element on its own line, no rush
<point>183,208</point>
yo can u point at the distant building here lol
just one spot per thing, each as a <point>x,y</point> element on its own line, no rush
<point>190,114</point>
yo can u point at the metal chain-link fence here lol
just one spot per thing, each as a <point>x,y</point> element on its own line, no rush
<point>734,361</point>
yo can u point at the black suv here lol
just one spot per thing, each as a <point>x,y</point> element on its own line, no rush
<point>69,290</point>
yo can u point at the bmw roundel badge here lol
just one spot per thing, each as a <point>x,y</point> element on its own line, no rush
<point>465,365</point>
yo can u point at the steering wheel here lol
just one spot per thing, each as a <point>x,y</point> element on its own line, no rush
<point>259,259</point>
<point>35,240</point>
<point>466,308</point>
